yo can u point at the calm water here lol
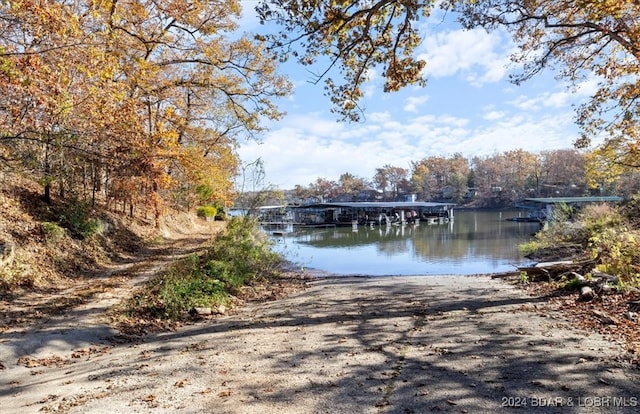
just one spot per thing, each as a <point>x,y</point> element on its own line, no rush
<point>475,242</point>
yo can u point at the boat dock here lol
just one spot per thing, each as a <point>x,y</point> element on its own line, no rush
<point>542,208</point>
<point>357,213</point>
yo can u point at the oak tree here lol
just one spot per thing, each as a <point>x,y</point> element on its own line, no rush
<point>392,181</point>
<point>351,184</point>
<point>504,178</point>
<point>323,189</point>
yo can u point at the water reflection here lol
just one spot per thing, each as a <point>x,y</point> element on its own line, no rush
<point>475,242</point>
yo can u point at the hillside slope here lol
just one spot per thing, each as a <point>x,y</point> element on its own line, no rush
<point>49,270</point>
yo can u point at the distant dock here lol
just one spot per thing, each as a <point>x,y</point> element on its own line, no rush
<point>330,214</point>
<point>540,209</point>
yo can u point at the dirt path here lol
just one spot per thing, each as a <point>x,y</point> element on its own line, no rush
<point>344,345</point>
<point>76,315</point>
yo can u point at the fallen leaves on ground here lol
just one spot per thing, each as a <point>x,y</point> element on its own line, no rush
<point>30,362</point>
<point>87,352</point>
<point>181,383</point>
<point>606,314</point>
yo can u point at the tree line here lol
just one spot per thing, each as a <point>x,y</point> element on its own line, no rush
<point>497,180</point>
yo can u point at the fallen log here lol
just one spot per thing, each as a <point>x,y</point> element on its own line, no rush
<point>605,277</point>
<point>554,264</point>
<point>505,274</point>
<point>555,270</point>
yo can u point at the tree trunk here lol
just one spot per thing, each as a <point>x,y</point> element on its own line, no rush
<point>47,179</point>
<point>47,192</point>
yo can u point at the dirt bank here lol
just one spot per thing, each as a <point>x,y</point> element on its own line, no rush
<point>343,345</point>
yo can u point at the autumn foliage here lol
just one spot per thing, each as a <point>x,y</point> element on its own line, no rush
<point>593,42</point>
<point>137,103</point>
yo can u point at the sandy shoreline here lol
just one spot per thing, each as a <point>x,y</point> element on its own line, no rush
<point>408,344</point>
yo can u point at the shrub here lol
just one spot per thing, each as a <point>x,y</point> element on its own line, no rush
<point>631,210</point>
<point>181,288</point>
<point>185,287</point>
<point>52,231</point>
<point>599,231</point>
<point>618,252</point>
<point>75,218</point>
<point>246,249</point>
<point>207,211</point>
<point>237,257</point>
<point>598,217</point>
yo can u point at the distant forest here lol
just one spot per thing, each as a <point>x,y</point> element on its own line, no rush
<point>498,180</point>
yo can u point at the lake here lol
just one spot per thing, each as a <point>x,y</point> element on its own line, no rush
<point>474,242</point>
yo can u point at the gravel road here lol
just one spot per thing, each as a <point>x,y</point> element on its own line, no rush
<point>459,344</point>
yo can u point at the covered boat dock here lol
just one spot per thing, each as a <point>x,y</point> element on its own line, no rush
<point>372,213</point>
<point>542,208</point>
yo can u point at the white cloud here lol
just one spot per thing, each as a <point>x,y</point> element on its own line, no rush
<point>478,54</point>
<point>413,102</point>
<point>559,99</point>
<point>526,103</point>
<point>587,87</point>
<point>521,132</point>
<point>313,124</point>
<point>554,94</point>
<point>493,115</point>
<point>291,158</point>
<point>379,117</point>
<point>304,148</point>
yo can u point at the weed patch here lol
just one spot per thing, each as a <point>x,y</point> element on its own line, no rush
<point>237,257</point>
<point>75,217</point>
<point>600,232</point>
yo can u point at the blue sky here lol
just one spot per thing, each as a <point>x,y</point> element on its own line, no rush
<point>467,107</point>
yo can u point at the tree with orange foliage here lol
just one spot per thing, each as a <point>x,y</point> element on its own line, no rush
<point>137,100</point>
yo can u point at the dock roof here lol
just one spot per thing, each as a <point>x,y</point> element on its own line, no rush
<point>574,200</point>
<point>379,204</point>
